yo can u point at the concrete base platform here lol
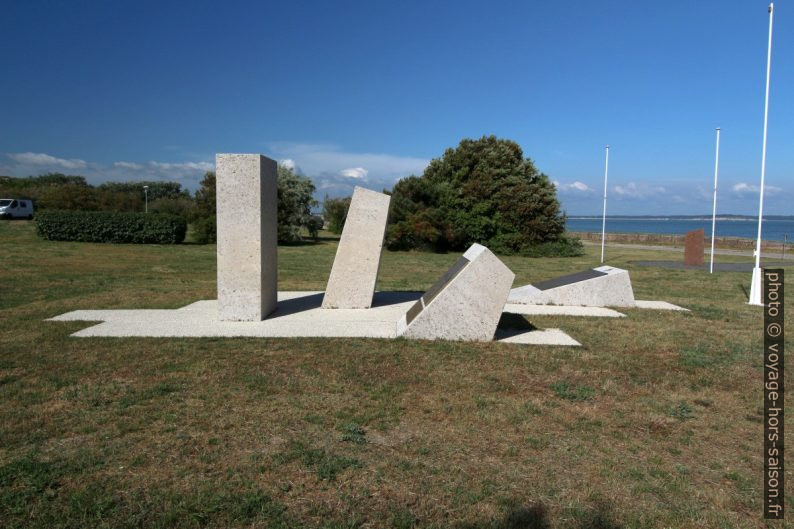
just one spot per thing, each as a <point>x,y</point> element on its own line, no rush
<point>658,305</point>
<point>562,310</point>
<point>298,314</point>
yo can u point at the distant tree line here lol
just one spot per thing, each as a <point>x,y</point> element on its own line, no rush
<point>56,191</point>
<point>482,191</point>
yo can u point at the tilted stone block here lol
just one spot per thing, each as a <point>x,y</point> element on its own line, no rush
<point>246,211</point>
<point>355,269</point>
<point>604,286</point>
<point>465,304</point>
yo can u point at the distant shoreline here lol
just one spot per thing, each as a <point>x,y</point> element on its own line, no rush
<point>638,238</point>
<point>683,217</point>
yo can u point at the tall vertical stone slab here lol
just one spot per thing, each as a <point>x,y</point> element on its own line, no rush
<point>355,269</point>
<point>465,304</point>
<point>694,248</point>
<point>246,210</point>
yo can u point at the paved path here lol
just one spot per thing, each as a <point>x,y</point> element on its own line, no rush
<point>680,249</point>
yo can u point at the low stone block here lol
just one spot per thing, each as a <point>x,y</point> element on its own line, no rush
<point>351,284</point>
<point>604,286</point>
<point>246,212</point>
<point>465,304</point>
<point>694,248</point>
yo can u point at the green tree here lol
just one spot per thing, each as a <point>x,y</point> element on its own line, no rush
<point>205,195</point>
<point>295,202</point>
<point>482,191</point>
<point>204,222</point>
<point>335,213</point>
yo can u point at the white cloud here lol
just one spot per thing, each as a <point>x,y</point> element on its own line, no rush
<point>742,188</point>
<point>574,186</point>
<point>635,190</point>
<point>183,166</point>
<point>187,173</point>
<point>46,160</point>
<point>354,172</point>
<point>128,165</point>
<point>336,172</point>
<point>287,163</point>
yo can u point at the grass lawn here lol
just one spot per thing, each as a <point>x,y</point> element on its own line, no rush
<point>654,422</point>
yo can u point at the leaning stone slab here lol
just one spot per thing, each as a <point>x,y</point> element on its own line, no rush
<point>604,286</point>
<point>246,211</point>
<point>465,304</point>
<point>355,269</point>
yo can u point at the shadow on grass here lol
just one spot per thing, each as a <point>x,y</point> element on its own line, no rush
<point>308,241</point>
<point>511,324</point>
<point>536,516</point>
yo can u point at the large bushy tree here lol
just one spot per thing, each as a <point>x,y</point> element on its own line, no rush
<point>482,191</point>
<point>295,202</point>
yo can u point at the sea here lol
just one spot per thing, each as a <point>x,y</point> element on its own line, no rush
<point>771,229</point>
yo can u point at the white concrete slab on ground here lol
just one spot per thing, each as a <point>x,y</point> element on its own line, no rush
<point>562,310</point>
<point>298,314</point>
<point>658,305</point>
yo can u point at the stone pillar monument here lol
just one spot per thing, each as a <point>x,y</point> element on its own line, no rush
<point>247,206</point>
<point>354,273</point>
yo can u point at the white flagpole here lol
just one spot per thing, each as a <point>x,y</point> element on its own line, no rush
<point>755,286</point>
<point>714,207</point>
<point>604,218</point>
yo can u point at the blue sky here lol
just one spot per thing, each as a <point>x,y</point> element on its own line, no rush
<point>368,92</point>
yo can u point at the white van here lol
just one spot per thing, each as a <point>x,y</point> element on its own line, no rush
<point>12,208</point>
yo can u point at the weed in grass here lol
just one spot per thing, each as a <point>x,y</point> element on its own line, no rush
<point>572,392</point>
<point>258,382</point>
<point>354,433</point>
<point>711,312</point>
<point>325,464</point>
<point>313,418</point>
<point>697,357</point>
<point>10,379</point>
<point>94,502</point>
<point>682,411</point>
<point>482,403</point>
<point>598,517</point>
<point>537,443</point>
<point>402,518</point>
<point>161,389</point>
<point>742,483</point>
<point>423,451</point>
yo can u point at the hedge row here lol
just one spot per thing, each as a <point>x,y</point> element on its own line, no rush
<point>109,226</point>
